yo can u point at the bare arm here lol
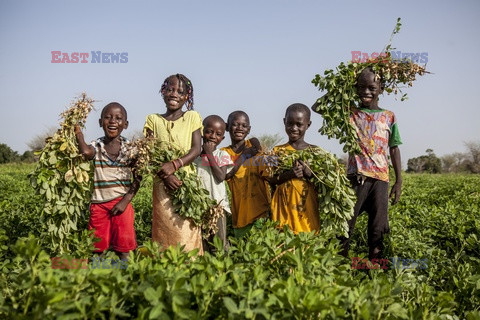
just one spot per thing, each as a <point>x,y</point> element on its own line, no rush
<point>87,151</point>
<point>127,198</point>
<point>170,167</point>
<point>219,173</point>
<point>247,153</point>
<point>195,150</point>
<point>235,168</point>
<point>315,106</point>
<point>397,167</point>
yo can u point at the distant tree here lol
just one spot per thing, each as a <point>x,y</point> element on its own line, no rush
<point>427,163</point>
<point>27,156</point>
<point>454,162</point>
<point>463,162</point>
<point>417,164</point>
<point>473,156</point>
<point>38,142</point>
<point>7,154</point>
<point>434,164</point>
<point>268,141</point>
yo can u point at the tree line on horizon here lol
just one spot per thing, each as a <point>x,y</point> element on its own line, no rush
<point>457,162</point>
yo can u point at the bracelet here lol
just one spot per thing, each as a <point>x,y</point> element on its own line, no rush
<point>174,165</point>
<point>181,162</point>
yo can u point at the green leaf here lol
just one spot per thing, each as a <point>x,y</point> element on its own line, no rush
<point>230,305</point>
<point>59,296</point>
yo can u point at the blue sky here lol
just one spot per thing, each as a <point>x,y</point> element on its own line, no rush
<point>256,56</point>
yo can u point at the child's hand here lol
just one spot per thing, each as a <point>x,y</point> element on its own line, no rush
<point>256,143</point>
<point>396,191</point>
<point>166,170</point>
<point>209,147</point>
<point>119,207</point>
<point>306,169</point>
<point>172,182</point>
<point>77,129</point>
<point>250,152</point>
<point>297,170</point>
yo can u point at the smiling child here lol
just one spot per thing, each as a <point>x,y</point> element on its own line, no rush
<point>295,201</point>
<point>212,167</point>
<point>111,211</point>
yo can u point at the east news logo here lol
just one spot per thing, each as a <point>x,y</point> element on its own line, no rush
<point>94,56</point>
<point>396,56</point>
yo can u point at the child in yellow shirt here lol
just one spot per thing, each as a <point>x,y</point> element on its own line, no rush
<point>250,192</point>
<point>295,201</point>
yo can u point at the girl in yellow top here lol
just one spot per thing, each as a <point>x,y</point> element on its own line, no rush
<point>295,202</point>
<point>250,192</point>
<point>181,128</point>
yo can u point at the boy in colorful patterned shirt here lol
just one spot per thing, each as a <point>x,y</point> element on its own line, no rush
<point>368,171</point>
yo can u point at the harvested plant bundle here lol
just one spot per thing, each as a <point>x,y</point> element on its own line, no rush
<point>191,199</point>
<point>62,177</point>
<point>336,198</point>
<point>341,93</point>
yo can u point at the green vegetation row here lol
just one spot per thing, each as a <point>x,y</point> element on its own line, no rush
<point>272,274</point>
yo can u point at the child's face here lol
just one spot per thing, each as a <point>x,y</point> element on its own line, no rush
<point>368,90</point>
<point>175,94</point>
<point>296,124</point>
<point>113,121</point>
<point>239,128</point>
<point>214,131</point>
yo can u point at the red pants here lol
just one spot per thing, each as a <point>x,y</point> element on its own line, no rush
<point>115,230</point>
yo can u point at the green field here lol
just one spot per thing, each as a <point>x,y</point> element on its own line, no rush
<point>271,274</point>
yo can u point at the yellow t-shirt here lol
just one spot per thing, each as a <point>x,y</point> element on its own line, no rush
<point>295,202</point>
<point>250,192</point>
<point>178,132</point>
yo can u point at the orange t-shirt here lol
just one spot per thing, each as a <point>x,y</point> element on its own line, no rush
<point>250,192</point>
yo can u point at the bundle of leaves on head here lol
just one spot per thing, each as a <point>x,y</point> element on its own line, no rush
<point>336,198</point>
<point>341,92</point>
<point>63,178</point>
<point>191,200</point>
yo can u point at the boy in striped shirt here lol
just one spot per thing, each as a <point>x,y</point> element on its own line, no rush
<point>111,211</point>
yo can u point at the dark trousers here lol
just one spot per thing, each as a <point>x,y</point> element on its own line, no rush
<point>372,197</point>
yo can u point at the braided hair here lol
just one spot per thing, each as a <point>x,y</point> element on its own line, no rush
<point>186,82</point>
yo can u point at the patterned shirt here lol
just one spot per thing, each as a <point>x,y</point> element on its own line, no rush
<point>377,131</point>
<point>112,178</point>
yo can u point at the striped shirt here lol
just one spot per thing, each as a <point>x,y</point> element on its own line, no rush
<point>112,178</point>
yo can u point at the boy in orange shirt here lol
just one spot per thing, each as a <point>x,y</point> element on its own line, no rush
<point>250,192</point>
